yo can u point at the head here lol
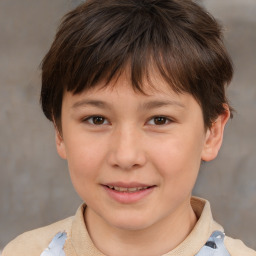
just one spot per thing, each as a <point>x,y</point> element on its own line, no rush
<point>99,39</point>
<point>136,89</point>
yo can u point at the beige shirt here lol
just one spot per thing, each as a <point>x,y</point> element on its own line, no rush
<point>78,241</point>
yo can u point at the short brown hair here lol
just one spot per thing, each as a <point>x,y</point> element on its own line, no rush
<point>98,39</point>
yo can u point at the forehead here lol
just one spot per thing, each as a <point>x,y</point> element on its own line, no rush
<point>156,92</point>
<point>152,84</point>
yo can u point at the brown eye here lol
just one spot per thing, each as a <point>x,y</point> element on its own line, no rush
<point>160,120</point>
<point>96,120</point>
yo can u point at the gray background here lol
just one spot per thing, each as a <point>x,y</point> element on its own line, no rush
<point>35,189</point>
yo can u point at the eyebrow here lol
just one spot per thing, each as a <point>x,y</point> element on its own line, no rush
<point>147,105</point>
<point>95,103</point>
<point>158,103</point>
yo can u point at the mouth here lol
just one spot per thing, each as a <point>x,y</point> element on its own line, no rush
<point>128,189</point>
<point>127,193</point>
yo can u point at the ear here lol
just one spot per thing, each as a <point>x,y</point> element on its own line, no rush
<point>60,145</point>
<point>214,136</point>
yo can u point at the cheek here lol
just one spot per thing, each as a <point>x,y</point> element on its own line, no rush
<point>84,157</point>
<point>84,169</point>
<point>178,158</point>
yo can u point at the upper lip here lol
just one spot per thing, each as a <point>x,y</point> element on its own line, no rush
<point>127,185</point>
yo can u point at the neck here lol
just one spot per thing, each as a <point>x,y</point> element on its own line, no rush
<point>162,237</point>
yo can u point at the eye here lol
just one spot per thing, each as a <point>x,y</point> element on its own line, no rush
<point>96,120</point>
<point>159,120</point>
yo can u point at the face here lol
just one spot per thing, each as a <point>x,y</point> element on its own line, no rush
<point>133,158</point>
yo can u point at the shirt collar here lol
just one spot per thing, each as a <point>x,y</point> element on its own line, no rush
<point>203,229</point>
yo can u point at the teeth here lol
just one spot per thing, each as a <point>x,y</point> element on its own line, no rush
<point>132,189</point>
<point>121,189</point>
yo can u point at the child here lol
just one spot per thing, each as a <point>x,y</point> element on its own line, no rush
<point>136,92</point>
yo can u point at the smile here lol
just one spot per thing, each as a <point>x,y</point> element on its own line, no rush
<point>128,193</point>
<point>129,190</point>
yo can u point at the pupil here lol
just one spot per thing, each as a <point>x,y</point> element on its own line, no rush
<point>98,120</point>
<point>160,120</point>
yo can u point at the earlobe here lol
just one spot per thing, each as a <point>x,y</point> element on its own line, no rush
<point>214,136</point>
<point>60,145</point>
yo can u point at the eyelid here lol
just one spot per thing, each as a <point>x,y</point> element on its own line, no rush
<point>106,121</point>
<point>168,119</point>
<point>85,120</point>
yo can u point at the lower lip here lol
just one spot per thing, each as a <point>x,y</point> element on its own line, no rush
<point>128,197</point>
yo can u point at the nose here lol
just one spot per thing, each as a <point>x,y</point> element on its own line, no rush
<point>126,149</point>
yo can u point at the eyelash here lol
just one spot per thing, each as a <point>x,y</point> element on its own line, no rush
<point>164,118</point>
<point>86,120</point>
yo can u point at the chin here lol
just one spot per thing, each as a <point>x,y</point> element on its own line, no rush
<point>131,223</point>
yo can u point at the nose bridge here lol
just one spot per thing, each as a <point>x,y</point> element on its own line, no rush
<point>127,148</point>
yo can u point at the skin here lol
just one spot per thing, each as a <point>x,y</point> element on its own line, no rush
<point>128,144</point>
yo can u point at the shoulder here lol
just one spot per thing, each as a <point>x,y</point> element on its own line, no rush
<point>238,248</point>
<point>34,242</point>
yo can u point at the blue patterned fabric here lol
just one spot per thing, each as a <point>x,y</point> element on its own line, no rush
<point>55,248</point>
<point>214,246</point>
